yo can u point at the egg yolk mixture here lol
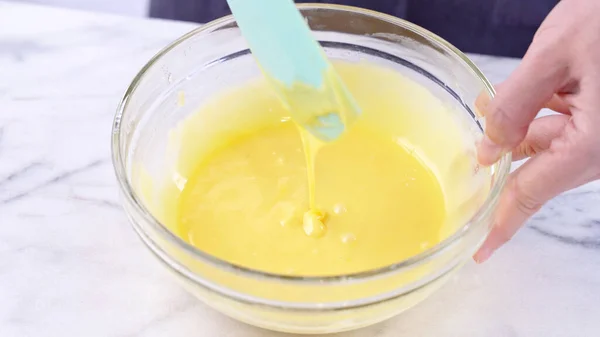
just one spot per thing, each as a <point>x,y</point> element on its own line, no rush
<point>241,179</point>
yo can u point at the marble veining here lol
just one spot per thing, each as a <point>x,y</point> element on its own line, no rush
<point>70,265</point>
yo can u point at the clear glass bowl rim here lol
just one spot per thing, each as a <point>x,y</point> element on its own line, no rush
<point>501,168</point>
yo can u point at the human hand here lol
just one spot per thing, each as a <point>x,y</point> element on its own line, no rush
<point>560,71</point>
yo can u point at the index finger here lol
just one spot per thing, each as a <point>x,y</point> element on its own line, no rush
<point>529,88</point>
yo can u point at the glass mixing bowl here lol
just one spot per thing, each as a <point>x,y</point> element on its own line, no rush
<point>214,57</point>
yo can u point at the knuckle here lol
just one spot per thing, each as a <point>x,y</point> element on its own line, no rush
<point>525,202</point>
<point>551,66</point>
<point>504,128</point>
<point>529,150</point>
<point>524,150</point>
<point>580,143</point>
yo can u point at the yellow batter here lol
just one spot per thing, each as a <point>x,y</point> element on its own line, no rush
<point>238,187</point>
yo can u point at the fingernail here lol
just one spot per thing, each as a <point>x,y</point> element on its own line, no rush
<point>488,152</point>
<point>482,255</point>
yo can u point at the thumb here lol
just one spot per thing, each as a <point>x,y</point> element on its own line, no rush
<point>518,101</point>
<point>565,165</point>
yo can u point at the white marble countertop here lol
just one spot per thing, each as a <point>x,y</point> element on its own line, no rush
<point>70,265</point>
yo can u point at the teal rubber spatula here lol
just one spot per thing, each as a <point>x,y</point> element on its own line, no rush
<point>296,66</point>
